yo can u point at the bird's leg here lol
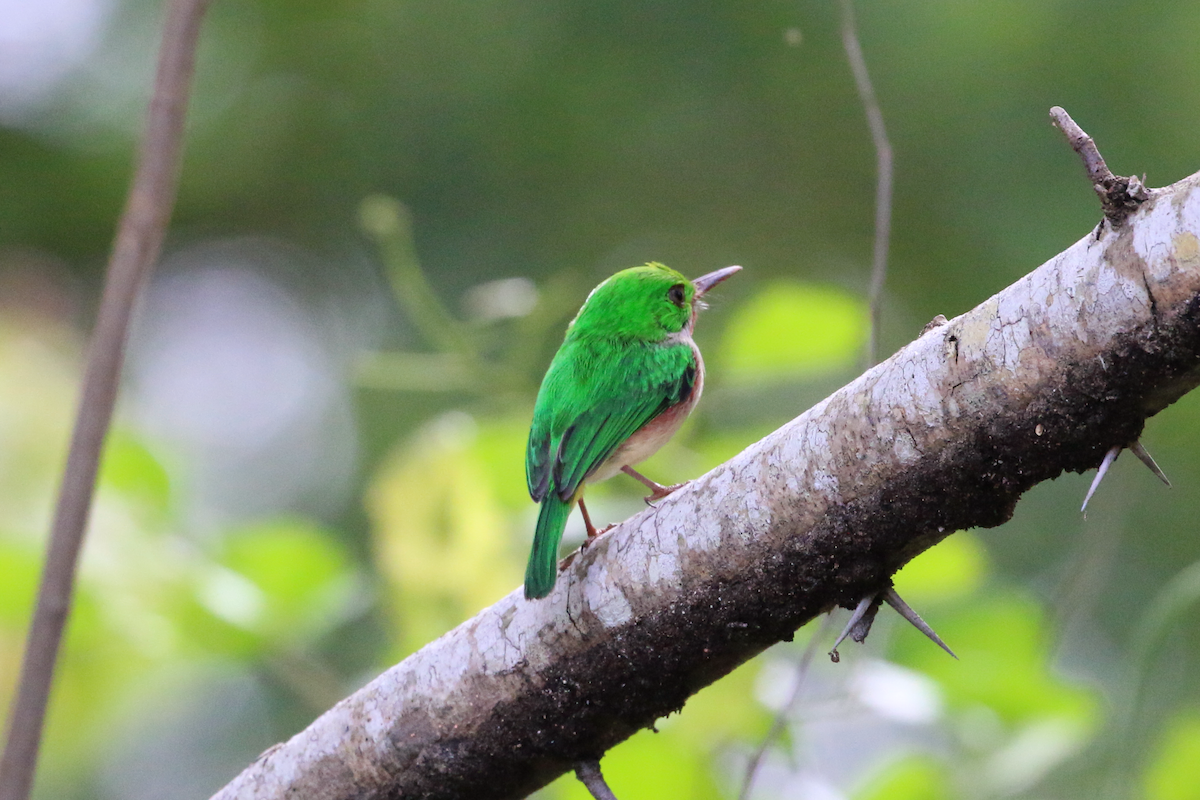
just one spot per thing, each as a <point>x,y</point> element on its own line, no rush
<point>657,490</point>
<point>592,533</point>
<point>864,614</point>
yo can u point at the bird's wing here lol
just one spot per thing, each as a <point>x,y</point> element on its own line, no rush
<point>537,457</point>
<point>592,400</point>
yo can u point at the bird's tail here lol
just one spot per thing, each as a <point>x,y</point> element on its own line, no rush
<point>542,570</point>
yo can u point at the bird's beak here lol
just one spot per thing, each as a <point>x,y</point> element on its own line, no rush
<point>706,282</point>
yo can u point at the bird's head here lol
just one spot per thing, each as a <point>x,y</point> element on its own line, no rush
<point>649,302</point>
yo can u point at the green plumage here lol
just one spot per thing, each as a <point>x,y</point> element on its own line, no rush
<point>542,570</point>
<point>626,361</point>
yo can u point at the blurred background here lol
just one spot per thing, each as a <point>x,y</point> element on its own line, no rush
<point>390,209</point>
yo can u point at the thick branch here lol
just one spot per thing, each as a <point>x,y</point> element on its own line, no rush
<point>946,434</point>
<point>136,248</point>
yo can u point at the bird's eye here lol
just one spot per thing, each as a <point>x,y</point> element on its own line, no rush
<point>675,294</point>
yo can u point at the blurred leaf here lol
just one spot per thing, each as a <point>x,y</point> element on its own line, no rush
<point>719,446</point>
<point>791,330</point>
<point>441,537</point>
<point>954,568</point>
<point>37,397</point>
<point>721,713</point>
<point>649,764</point>
<point>1004,641</point>
<point>500,447</point>
<point>130,469</point>
<point>1172,773</point>
<point>911,778</point>
<point>20,567</point>
<point>300,579</point>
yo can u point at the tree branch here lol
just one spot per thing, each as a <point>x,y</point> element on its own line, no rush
<point>945,435</point>
<point>136,248</point>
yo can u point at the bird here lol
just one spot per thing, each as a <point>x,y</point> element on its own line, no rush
<point>625,378</point>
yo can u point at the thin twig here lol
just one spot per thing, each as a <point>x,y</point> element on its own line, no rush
<point>588,773</point>
<point>1098,172</point>
<point>389,223</point>
<point>1118,196</point>
<point>135,250</point>
<point>883,181</point>
<point>781,718</point>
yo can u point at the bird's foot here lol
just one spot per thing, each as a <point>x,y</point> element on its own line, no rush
<point>593,534</point>
<point>864,614</point>
<point>661,492</point>
<point>657,490</point>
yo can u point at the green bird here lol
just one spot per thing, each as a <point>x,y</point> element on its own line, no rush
<point>625,378</point>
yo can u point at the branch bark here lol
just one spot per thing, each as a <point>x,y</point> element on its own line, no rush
<point>945,435</point>
<point>135,250</point>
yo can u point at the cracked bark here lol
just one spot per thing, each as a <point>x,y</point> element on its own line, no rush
<point>945,435</point>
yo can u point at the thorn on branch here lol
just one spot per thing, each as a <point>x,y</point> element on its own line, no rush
<point>1139,450</point>
<point>864,615</point>
<point>905,610</point>
<point>1109,458</point>
<point>1118,196</point>
<point>1144,456</point>
<point>588,773</point>
<point>865,610</point>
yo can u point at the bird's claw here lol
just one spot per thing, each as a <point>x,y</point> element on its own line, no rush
<point>662,491</point>
<point>593,535</point>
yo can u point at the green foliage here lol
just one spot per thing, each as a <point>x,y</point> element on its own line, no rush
<point>955,568</point>
<point>792,330</point>
<point>1171,774</point>
<point>912,778</point>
